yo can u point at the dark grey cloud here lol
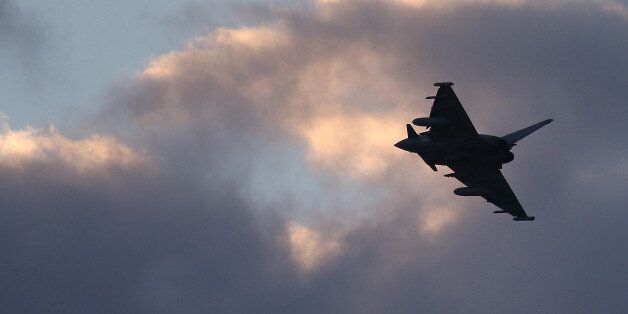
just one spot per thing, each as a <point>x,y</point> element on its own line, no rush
<point>197,17</point>
<point>20,34</point>
<point>192,238</point>
<point>130,242</point>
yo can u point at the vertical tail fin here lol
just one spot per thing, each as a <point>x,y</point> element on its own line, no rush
<point>411,132</point>
<point>514,137</point>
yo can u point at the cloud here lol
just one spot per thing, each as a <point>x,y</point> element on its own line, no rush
<point>20,33</point>
<point>308,248</point>
<point>22,148</point>
<point>336,142</point>
<point>273,184</point>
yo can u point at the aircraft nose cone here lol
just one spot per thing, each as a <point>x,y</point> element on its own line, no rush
<point>402,145</point>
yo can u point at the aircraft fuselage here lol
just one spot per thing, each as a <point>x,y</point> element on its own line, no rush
<point>485,149</point>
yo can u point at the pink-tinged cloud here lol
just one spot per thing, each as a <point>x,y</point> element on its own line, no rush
<point>342,101</point>
<point>21,148</point>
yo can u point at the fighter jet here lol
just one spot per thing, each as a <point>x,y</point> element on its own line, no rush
<point>476,159</point>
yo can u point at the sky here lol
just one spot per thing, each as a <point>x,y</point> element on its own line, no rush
<point>195,157</point>
<point>67,52</point>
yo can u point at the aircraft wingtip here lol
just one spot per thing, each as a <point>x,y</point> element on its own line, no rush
<point>447,84</point>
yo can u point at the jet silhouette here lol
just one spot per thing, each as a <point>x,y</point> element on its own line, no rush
<point>476,159</point>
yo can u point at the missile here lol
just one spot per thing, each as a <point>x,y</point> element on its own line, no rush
<point>437,97</point>
<point>500,212</point>
<point>530,218</point>
<point>469,191</point>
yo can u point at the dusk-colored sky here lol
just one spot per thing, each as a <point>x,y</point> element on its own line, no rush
<point>212,157</point>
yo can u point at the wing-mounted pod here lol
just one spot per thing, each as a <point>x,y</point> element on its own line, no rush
<point>430,122</point>
<point>526,218</point>
<point>470,191</point>
<point>438,97</point>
